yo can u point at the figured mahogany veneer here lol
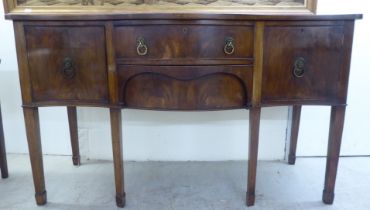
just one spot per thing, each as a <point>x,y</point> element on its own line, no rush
<point>183,62</point>
<point>183,41</point>
<point>48,51</point>
<point>185,87</point>
<point>322,49</point>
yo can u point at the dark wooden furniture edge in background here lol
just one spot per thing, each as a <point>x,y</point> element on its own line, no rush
<point>3,162</point>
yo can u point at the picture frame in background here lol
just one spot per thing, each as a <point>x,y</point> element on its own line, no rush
<point>164,6</point>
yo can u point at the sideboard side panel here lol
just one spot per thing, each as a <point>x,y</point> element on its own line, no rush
<point>346,59</point>
<point>24,74</point>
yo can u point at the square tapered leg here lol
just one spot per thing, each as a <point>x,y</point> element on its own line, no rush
<point>116,129</point>
<point>254,123</point>
<point>294,129</point>
<point>335,139</point>
<point>73,130</point>
<point>31,116</point>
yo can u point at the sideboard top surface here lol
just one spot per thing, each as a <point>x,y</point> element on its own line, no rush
<point>166,9</point>
<point>149,15</point>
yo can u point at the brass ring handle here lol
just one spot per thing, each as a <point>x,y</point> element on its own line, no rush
<point>68,70</point>
<point>141,48</point>
<point>229,46</point>
<point>299,67</point>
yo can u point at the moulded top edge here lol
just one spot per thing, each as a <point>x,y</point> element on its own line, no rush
<point>18,14</point>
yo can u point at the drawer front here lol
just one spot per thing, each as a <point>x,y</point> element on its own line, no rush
<point>67,63</point>
<point>185,87</point>
<point>183,41</point>
<point>303,64</point>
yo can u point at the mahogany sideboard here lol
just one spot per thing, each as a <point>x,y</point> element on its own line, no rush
<point>182,61</point>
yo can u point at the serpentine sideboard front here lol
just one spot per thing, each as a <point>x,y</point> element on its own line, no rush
<point>183,62</point>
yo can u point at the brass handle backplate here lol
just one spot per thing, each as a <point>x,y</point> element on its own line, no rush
<point>68,70</point>
<point>229,46</point>
<point>299,67</point>
<point>141,48</point>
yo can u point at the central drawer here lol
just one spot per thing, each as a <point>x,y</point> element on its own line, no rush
<point>166,42</point>
<point>185,87</point>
